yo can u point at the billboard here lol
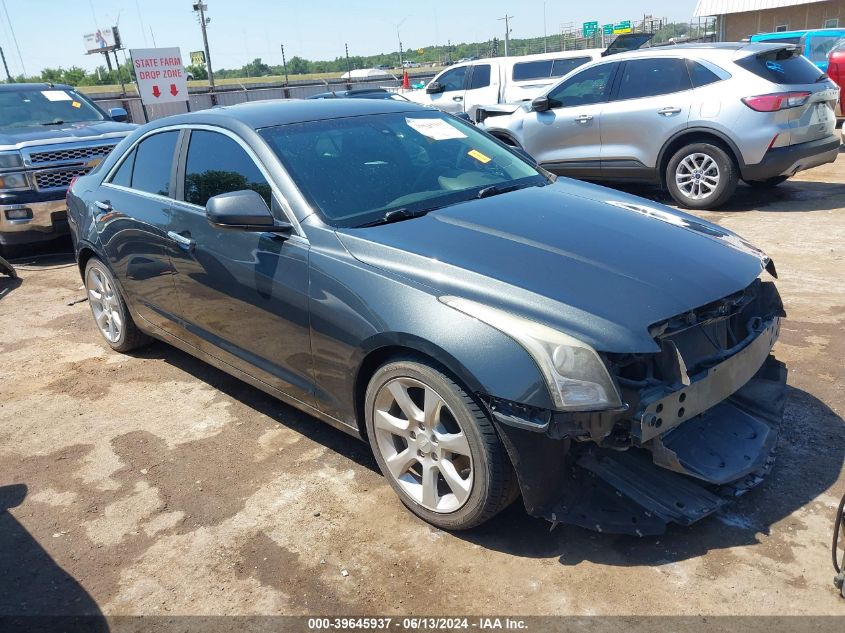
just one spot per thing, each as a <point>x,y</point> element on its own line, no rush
<point>101,41</point>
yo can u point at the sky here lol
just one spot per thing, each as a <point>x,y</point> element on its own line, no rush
<point>49,32</point>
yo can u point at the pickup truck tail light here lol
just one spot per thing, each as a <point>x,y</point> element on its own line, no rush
<point>70,186</point>
<point>776,101</point>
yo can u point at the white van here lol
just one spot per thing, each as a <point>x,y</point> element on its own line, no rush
<point>465,86</point>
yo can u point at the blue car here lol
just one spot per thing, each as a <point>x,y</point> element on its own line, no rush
<point>814,44</point>
<point>492,331</point>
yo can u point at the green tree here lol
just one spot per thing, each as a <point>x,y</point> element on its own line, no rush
<point>198,71</point>
<point>298,66</point>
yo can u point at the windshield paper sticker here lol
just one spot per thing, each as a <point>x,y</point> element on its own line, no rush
<point>56,95</point>
<point>481,158</point>
<point>436,129</point>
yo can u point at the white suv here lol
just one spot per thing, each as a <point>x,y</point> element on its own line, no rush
<point>695,118</point>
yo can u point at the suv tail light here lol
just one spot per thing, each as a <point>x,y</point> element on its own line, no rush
<point>776,101</point>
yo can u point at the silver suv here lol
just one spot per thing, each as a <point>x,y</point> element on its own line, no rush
<point>694,118</point>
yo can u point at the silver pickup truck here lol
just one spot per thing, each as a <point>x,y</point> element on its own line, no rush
<point>49,134</point>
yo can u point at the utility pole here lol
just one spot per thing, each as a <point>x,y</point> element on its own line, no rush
<point>6,66</point>
<point>284,64</point>
<point>201,8</point>
<point>399,37</point>
<point>545,36</point>
<point>348,67</point>
<point>507,19</point>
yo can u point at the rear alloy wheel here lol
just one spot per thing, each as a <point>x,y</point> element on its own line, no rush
<point>701,176</point>
<point>436,447</point>
<point>768,183</point>
<point>109,309</point>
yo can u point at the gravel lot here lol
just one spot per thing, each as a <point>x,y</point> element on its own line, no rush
<point>155,484</point>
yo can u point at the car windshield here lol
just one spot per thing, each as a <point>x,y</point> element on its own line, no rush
<point>30,108</point>
<point>357,170</point>
<point>820,47</point>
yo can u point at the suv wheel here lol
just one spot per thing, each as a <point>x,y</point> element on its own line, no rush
<point>701,176</point>
<point>436,447</point>
<point>109,309</point>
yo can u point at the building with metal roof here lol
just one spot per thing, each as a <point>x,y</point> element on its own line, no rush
<point>739,19</point>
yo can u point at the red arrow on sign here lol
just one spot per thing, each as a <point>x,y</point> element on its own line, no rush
<point>174,90</point>
<point>156,91</point>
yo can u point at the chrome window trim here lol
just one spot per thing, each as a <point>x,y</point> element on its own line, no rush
<point>284,205</point>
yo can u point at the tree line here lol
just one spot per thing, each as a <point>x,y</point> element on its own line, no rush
<point>297,65</point>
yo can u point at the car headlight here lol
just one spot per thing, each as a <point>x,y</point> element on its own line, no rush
<point>10,160</point>
<point>577,378</point>
<point>14,181</point>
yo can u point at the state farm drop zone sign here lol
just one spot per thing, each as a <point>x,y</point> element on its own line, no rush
<point>160,75</point>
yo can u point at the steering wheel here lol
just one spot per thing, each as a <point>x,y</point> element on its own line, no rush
<point>440,164</point>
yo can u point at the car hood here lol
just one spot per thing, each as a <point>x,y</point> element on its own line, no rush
<point>16,138</point>
<point>593,262</point>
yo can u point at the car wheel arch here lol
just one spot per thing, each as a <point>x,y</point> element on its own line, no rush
<point>84,253</point>
<point>696,135</point>
<point>505,138</point>
<point>385,348</point>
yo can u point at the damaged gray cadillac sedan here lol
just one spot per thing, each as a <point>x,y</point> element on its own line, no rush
<point>492,331</point>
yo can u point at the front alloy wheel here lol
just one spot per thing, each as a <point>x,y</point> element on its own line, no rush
<point>422,445</point>
<point>436,447</point>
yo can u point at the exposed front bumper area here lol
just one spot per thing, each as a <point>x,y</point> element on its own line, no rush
<point>700,428</point>
<point>48,220</point>
<point>789,160</point>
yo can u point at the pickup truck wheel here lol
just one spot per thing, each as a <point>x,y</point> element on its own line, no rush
<point>436,447</point>
<point>768,183</point>
<point>109,309</point>
<point>701,176</point>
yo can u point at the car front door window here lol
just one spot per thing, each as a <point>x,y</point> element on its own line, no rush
<point>454,79</point>
<point>588,87</point>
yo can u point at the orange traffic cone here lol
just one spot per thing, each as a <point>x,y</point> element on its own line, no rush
<point>406,83</point>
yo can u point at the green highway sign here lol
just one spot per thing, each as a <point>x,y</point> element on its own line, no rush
<point>607,28</point>
<point>622,27</point>
<point>590,28</point>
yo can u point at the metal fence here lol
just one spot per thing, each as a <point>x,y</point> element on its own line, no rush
<point>228,96</point>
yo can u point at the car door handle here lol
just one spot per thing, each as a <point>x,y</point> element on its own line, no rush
<point>668,111</point>
<point>457,98</point>
<point>104,205</point>
<point>584,118</point>
<point>184,241</point>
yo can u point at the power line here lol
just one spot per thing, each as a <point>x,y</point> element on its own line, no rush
<point>14,37</point>
<point>507,19</point>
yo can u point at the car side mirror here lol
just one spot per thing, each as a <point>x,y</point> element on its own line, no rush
<point>118,114</point>
<point>540,104</point>
<point>435,87</point>
<point>244,210</point>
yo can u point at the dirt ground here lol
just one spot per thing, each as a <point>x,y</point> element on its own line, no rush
<point>155,484</point>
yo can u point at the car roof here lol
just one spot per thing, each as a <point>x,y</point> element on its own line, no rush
<point>729,49</point>
<point>798,33</point>
<point>261,114</point>
<point>40,86</point>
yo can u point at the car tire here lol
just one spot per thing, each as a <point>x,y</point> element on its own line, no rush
<point>768,183</point>
<point>701,176</point>
<point>485,484</point>
<point>109,310</point>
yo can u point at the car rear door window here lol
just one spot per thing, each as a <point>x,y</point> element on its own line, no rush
<point>480,76</point>
<point>653,77</point>
<point>561,67</point>
<point>525,71</point>
<point>783,66</point>
<point>591,85</point>
<point>154,163</point>
<point>123,175</point>
<point>218,164</point>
